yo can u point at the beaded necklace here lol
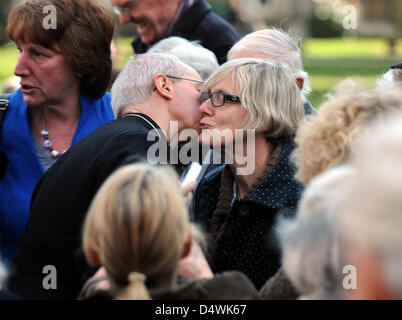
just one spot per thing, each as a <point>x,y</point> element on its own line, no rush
<point>47,143</point>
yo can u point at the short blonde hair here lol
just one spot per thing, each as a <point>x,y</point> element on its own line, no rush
<point>329,138</point>
<point>268,92</point>
<point>138,222</point>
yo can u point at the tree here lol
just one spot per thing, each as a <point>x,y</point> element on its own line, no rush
<point>5,6</point>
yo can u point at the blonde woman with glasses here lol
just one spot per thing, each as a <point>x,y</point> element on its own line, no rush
<point>250,111</point>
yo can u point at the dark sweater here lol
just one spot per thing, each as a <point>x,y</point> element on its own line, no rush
<point>226,286</point>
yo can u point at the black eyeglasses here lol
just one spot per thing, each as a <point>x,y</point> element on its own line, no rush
<point>180,78</point>
<point>218,99</point>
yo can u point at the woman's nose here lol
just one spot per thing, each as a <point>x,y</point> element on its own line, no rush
<point>207,108</point>
<point>21,69</point>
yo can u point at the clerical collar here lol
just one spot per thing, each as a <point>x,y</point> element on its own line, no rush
<point>147,120</point>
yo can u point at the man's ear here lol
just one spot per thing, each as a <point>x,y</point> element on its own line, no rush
<point>187,246</point>
<point>91,255</point>
<point>163,86</point>
<point>300,82</point>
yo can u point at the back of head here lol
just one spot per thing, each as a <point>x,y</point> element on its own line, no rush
<point>269,94</point>
<point>310,242</point>
<point>392,79</point>
<point>273,45</point>
<point>167,44</point>
<point>135,83</point>
<point>329,138</point>
<point>371,215</point>
<point>83,33</point>
<point>138,223</point>
<point>276,46</point>
<point>196,56</point>
<point>397,77</point>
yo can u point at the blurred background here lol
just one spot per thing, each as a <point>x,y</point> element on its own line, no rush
<point>339,38</point>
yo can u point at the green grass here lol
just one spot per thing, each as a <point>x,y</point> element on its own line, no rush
<point>326,72</point>
<point>124,51</point>
<point>8,60</point>
<point>327,61</point>
<point>349,47</point>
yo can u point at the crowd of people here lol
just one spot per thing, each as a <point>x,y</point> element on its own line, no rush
<point>287,199</point>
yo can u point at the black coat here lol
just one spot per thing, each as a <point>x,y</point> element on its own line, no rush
<point>244,239</point>
<point>225,286</point>
<point>200,23</point>
<point>59,205</point>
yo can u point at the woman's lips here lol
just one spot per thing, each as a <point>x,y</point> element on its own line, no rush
<point>204,125</point>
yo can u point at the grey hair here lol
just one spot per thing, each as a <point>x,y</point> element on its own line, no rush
<point>389,80</point>
<point>371,214</point>
<point>309,241</point>
<point>269,94</point>
<point>386,81</point>
<point>135,82</point>
<point>192,53</point>
<point>277,46</point>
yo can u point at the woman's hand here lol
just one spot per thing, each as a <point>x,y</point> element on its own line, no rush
<point>195,265</point>
<point>98,282</point>
<point>187,191</point>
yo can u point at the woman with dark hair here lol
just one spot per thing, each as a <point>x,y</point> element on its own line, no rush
<point>65,68</point>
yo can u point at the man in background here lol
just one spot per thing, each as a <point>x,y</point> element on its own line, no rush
<point>275,45</point>
<point>189,19</point>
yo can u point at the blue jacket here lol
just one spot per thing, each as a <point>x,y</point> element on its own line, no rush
<point>242,236</point>
<point>24,169</point>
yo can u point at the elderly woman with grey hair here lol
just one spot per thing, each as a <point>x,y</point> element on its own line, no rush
<point>250,111</point>
<point>310,244</point>
<point>370,217</point>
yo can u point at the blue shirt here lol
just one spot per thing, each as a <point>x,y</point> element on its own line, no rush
<point>24,169</point>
